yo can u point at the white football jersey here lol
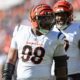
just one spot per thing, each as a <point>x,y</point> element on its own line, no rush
<point>72,34</point>
<point>35,53</point>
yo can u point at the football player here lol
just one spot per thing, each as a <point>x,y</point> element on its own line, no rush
<point>35,47</point>
<point>63,11</point>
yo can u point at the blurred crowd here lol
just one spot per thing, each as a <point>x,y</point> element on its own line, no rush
<point>19,15</point>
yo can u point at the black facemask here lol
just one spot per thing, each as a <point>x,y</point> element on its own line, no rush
<point>45,23</point>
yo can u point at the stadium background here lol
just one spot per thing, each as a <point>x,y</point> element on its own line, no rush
<point>18,13</point>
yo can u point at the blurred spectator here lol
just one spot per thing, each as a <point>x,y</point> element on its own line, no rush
<point>3,55</point>
<point>76,5</point>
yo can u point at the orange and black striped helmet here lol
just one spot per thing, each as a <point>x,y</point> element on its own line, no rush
<point>62,6</point>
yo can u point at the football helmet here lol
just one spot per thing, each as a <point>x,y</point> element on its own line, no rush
<point>64,7</point>
<point>42,17</point>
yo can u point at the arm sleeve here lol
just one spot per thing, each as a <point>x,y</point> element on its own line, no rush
<point>60,59</point>
<point>8,70</point>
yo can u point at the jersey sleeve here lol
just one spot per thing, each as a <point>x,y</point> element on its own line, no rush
<point>16,30</point>
<point>13,41</point>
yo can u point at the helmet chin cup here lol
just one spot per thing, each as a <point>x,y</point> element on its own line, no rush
<point>43,31</point>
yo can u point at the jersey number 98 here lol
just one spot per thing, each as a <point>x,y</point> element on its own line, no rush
<point>36,57</point>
